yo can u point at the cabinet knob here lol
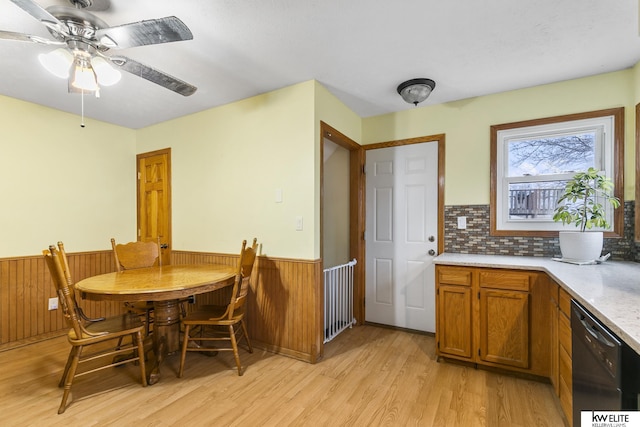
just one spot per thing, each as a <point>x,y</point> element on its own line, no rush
<point>431,252</point>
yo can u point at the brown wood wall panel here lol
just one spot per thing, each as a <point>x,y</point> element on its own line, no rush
<point>284,307</point>
<point>284,313</point>
<point>25,289</point>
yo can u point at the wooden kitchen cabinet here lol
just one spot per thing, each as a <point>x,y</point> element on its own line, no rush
<point>494,317</point>
<point>454,316</point>
<point>454,320</point>
<point>504,327</point>
<point>554,345</point>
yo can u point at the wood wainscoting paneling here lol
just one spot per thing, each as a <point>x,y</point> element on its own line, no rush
<point>25,289</point>
<point>284,310</point>
<point>284,313</point>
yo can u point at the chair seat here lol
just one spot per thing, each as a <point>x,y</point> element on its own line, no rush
<point>115,326</point>
<point>211,317</point>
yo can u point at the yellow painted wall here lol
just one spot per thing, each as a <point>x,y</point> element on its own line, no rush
<point>636,82</point>
<point>59,181</point>
<point>335,215</point>
<point>333,112</point>
<point>227,163</point>
<point>466,125</point>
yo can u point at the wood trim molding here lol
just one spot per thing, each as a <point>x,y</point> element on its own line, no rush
<point>637,175</point>
<point>618,160</point>
<point>356,208</point>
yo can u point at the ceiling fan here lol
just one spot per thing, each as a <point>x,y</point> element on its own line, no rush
<point>84,39</point>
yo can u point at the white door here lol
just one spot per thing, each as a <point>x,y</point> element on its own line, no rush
<point>401,230</point>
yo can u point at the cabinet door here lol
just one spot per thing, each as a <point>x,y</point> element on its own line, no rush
<point>454,320</point>
<point>504,327</point>
<point>554,345</point>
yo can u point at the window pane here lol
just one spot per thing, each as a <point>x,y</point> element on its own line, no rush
<point>552,155</point>
<point>535,200</point>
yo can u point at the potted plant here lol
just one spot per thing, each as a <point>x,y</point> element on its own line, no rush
<point>581,204</point>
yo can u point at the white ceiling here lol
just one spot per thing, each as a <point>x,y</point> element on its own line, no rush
<point>360,50</point>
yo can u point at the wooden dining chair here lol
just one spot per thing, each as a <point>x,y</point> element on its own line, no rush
<point>135,255</point>
<point>245,266</point>
<point>98,333</point>
<point>227,321</point>
<point>68,277</point>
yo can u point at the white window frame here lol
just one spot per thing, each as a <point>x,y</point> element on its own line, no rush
<point>603,125</point>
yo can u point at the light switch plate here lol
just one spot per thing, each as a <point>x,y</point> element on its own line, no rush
<point>53,303</point>
<point>299,223</point>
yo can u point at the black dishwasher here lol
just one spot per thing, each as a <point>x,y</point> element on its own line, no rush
<point>605,369</point>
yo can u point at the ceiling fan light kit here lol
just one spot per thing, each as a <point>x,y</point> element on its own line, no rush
<point>83,77</point>
<point>415,91</point>
<point>87,73</point>
<point>57,62</point>
<point>107,75</point>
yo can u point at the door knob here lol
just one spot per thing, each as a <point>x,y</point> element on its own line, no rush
<point>431,252</point>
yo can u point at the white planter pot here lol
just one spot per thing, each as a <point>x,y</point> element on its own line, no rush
<point>581,246</point>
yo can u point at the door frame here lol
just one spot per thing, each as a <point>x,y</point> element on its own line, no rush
<point>440,139</point>
<point>356,210</point>
<point>357,205</point>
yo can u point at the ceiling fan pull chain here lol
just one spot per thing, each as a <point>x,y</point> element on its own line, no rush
<point>82,108</point>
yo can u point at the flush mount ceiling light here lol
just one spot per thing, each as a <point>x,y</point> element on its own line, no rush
<point>415,91</point>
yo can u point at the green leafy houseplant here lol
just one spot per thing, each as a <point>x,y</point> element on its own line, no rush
<point>579,203</point>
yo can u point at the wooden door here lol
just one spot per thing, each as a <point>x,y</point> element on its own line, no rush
<point>454,320</point>
<point>504,327</point>
<point>154,199</point>
<point>402,235</point>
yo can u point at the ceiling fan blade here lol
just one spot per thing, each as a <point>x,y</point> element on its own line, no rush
<point>10,35</point>
<point>96,5</point>
<point>38,12</point>
<point>152,31</point>
<point>153,75</point>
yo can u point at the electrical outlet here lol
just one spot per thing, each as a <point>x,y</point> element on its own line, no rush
<point>462,222</point>
<point>53,303</point>
<point>299,223</point>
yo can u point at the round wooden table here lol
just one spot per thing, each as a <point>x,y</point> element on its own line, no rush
<point>164,286</point>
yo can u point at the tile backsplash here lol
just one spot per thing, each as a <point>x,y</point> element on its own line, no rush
<point>475,239</point>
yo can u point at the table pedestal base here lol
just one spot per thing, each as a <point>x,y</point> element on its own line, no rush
<point>166,333</point>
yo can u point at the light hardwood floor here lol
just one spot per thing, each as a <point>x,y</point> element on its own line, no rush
<point>370,376</point>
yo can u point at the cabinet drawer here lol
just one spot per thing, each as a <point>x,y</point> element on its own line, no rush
<point>564,333</point>
<point>454,276</point>
<point>564,301</point>
<point>505,279</point>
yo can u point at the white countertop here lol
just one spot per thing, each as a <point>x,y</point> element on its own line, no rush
<point>611,290</point>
